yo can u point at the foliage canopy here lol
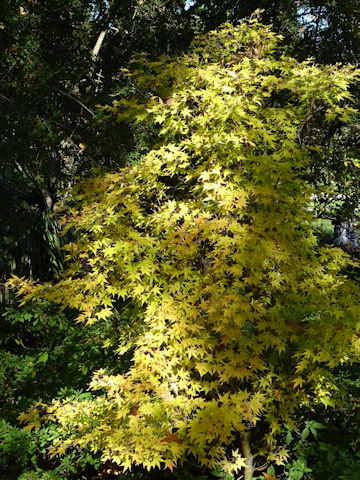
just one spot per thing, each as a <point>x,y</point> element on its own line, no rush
<point>211,236</point>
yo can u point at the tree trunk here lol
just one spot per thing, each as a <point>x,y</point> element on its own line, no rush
<point>112,11</point>
<point>98,44</point>
<point>246,451</point>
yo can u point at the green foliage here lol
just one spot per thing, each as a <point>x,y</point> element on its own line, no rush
<point>297,469</point>
<point>28,449</point>
<point>40,474</point>
<point>211,237</point>
<point>330,30</point>
<point>37,42</point>
<point>324,230</point>
<point>43,351</point>
<point>330,450</point>
<point>17,446</point>
<point>335,173</point>
<point>45,354</point>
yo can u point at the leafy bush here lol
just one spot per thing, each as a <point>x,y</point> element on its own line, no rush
<point>40,474</point>
<point>44,354</point>
<point>17,447</point>
<point>328,446</point>
<point>42,351</point>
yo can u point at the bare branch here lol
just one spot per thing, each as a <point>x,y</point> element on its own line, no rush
<point>78,101</point>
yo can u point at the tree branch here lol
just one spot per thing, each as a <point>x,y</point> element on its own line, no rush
<point>78,101</point>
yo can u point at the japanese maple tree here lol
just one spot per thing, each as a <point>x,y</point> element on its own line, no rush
<point>211,235</point>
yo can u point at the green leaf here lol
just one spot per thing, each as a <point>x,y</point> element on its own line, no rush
<point>43,358</point>
<point>305,433</point>
<point>271,470</point>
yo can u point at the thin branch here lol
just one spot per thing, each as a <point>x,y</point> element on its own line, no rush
<point>21,343</point>
<point>78,101</point>
<point>262,467</point>
<point>309,116</point>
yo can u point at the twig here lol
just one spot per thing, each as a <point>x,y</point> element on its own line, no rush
<point>78,101</point>
<point>21,343</point>
<point>262,467</point>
